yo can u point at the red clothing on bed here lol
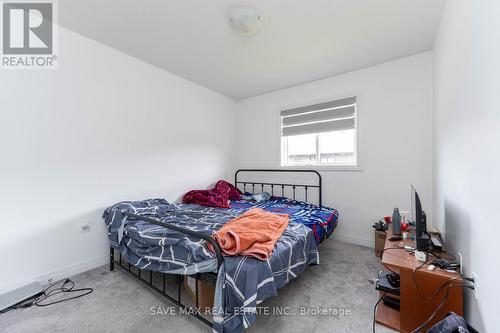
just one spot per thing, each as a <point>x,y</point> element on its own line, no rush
<point>219,196</point>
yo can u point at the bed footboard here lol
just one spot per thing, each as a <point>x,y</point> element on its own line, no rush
<point>207,277</point>
<point>208,239</point>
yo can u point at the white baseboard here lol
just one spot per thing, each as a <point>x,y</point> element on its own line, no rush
<point>355,240</point>
<point>73,269</point>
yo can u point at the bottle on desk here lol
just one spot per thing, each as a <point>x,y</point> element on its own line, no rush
<point>396,222</point>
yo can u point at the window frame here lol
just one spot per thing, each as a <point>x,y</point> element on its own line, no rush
<point>333,167</point>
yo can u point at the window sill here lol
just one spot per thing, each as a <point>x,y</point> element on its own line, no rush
<point>323,167</point>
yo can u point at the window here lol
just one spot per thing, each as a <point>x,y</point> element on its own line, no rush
<point>320,134</point>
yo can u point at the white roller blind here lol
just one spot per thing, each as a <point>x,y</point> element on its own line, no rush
<point>330,116</point>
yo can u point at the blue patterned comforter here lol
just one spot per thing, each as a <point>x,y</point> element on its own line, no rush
<point>322,220</point>
<point>242,282</point>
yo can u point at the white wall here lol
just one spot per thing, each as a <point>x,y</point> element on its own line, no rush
<point>466,146</point>
<point>103,127</point>
<point>395,149</point>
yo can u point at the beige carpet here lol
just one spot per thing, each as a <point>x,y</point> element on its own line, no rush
<point>122,304</point>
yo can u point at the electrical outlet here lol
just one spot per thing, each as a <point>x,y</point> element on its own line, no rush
<point>476,285</point>
<point>85,228</point>
<point>461,265</point>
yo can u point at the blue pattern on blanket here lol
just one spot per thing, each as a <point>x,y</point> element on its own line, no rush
<point>242,282</point>
<point>322,220</point>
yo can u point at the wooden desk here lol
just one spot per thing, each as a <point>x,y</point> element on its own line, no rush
<point>416,305</point>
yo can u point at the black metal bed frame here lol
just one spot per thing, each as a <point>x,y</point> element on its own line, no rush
<point>206,277</point>
<point>294,187</point>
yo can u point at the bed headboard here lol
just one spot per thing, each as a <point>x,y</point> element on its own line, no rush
<point>303,187</point>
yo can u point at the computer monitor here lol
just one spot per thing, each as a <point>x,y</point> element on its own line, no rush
<point>420,219</point>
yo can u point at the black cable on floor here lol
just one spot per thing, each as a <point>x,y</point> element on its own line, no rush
<point>64,286</point>
<point>67,286</point>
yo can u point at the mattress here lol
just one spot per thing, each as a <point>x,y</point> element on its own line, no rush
<point>242,282</point>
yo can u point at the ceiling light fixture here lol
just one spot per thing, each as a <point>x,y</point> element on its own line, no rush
<point>247,21</point>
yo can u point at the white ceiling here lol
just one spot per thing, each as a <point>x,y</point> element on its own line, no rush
<point>300,41</point>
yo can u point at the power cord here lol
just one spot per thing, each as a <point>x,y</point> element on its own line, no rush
<point>375,312</point>
<point>440,305</point>
<point>62,286</point>
<point>448,284</point>
<point>396,247</point>
<point>67,286</point>
<point>438,289</point>
<point>390,248</point>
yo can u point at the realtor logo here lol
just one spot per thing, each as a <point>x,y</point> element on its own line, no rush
<point>28,34</point>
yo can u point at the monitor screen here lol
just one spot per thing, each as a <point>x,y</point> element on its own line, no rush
<point>413,213</point>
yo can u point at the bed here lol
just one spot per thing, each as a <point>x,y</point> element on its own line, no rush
<point>155,236</point>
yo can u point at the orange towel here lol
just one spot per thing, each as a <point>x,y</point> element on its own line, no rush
<point>253,233</point>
